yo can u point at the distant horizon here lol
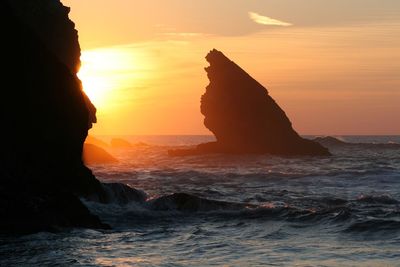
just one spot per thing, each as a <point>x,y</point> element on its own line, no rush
<point>211,135</point>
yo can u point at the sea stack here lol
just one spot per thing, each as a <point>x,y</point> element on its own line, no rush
<point>243,116</point>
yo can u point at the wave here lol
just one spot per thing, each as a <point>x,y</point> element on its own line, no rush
<point>365,213</point>
<point>123,194</point>
<point>379,199</point>
<point>374,225</point>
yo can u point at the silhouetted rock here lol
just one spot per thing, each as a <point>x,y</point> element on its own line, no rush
<point>45,118</point>
<point>49,20</point>
<point>50,23</point>
<point>189,203</point>
<point>141,144</point>
<point>243,117</point>
<point>96,141</point>
<point>93,154</point>
<point>25,211</point>
<point>329,141</point>
<point>120,143</point>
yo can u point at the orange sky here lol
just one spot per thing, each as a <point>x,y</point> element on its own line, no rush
<point>334,67</point>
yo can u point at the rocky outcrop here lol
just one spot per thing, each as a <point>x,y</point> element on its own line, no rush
<point>96,141</point>
<point>93,154</point>
<point>25,211</point>
<point>48,19</point>
<point>120,143</point>
<point>45,119</point>
<point>243,116</point>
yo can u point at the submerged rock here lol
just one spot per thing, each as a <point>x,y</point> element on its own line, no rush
<point>190,203</point>
<point>243,116</point>
<point>96,141</point>
<point>120,143</point>
<point>93,154</point>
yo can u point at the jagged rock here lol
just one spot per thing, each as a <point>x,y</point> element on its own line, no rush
<point>93,154</point>
<point>45,119</point>
<point>120,143</point>
<point>243,116</point>
<point>48,19</point>
<point>96,141</point>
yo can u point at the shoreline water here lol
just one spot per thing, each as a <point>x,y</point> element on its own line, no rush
<point>339,210</point>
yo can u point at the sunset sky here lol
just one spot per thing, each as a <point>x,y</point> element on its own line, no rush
<point>333,66</point>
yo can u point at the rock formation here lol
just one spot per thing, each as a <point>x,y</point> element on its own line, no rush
<point>49,20</point>
<point>243,117</point>
<point>45,118</point>
<point>96,141</point>
<point>93,154</point>
<point>120,143</point>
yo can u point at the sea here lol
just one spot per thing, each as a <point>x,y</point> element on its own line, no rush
<point>235,210</point>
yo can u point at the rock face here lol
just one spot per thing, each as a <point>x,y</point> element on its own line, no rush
<point>244,118</point>
<point>45,118</point>
<point>49,20</point>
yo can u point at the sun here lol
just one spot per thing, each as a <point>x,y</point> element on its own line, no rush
<point>103,73</point>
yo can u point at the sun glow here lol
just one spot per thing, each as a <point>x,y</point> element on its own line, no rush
<point>106,71</point>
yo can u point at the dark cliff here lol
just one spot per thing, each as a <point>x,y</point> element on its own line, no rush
<point>243,116</point>
<point>45,118</point>
<point>49,20</point>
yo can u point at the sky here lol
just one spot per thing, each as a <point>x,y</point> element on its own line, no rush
<point>333,66</point>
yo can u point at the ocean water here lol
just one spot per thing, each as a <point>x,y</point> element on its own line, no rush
<point>238,210</point>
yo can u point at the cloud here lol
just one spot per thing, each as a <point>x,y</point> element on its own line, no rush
<point>183,34</point>
<point>264,20</point>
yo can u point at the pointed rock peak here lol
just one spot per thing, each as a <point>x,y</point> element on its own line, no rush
<point>243,117</point>
<point>215,56</point>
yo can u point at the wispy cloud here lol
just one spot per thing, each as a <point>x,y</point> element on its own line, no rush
<point>264,20</point>
<point>183,34</point>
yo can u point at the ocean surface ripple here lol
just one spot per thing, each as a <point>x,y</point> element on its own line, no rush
<point>235,210</point>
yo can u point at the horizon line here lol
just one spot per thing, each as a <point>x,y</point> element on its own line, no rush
<point>183,134</point>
